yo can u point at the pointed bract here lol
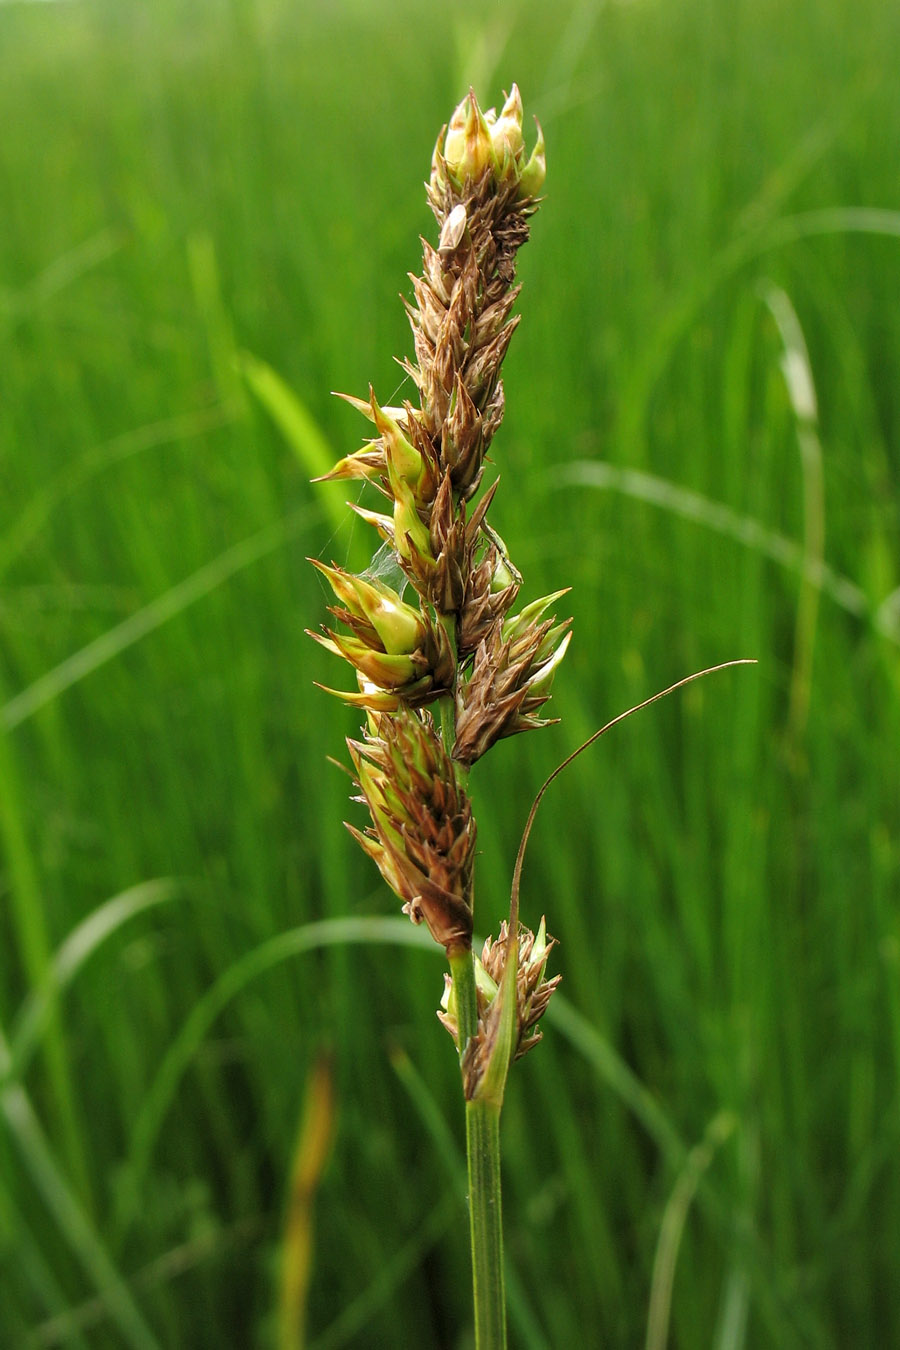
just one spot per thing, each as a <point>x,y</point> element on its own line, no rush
<point>531,179</point>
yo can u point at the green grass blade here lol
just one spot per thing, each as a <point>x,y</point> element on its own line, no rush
<point>35,1015</point>
<point>294,420</point>
<point>138,625</point>
<point>295,942</point>
<point>72,1222</point>
<point>34,1271</point>
<point>798,377</point>
<point>25,531</point>
<point>744,530</point>
<point>396,1268</point>
<point>674,1219</point>
<point>66,269</point>
<point>617,1076</point>
<point>29,928</point>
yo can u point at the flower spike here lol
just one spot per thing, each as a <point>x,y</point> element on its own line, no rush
<point>454,644</point>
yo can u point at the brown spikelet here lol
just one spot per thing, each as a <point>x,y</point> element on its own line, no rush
<point>533,994</point>
<point>422,834</point>
<point>506,688</point>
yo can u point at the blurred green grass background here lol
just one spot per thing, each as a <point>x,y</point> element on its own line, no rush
<point>714,1111</point>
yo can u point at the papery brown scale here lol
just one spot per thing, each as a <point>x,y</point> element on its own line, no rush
<point>449,351</point>
<point>421,438</point>
<point>461,436</point>
<point>464,460</point>
<point>465,300</point>
<point>511,236</point>
<point>482,607</point>
<point>436,399</point>
<point>424,347</point>
<point>423,340</point>
<point>429,312</point>
<point>493,317</point>
<point>448,586</point>
<point>443,514</point>
<point>485,363</point>
<point>435,273</point>
<point>496,697</point>
<point>492,413</point>
<point>415,375</point>
<point>525,645</point>
<point>361,628</point>
<point>444,365</point>
<point>473,529</point>
<point>448,542</point>
<point>463,295</point>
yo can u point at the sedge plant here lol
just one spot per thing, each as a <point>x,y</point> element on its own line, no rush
<point>447,663</point>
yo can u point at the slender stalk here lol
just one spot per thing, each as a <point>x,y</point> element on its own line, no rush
<point>486,1223</point>
<point>448,703</point>
<point>483,1156</point>
<point>448,723</point>
<point>482,1130</point>
<point>462,969</point>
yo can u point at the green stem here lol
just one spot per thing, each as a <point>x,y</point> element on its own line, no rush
<point>486,1221</point>
<point>482,1122</point>
<point>462,969</point>
<point>448,702</point>
<point>483,1150</point>
<point>448,722</point>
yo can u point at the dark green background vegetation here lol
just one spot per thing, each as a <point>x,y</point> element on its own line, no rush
<point>184,182</point>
